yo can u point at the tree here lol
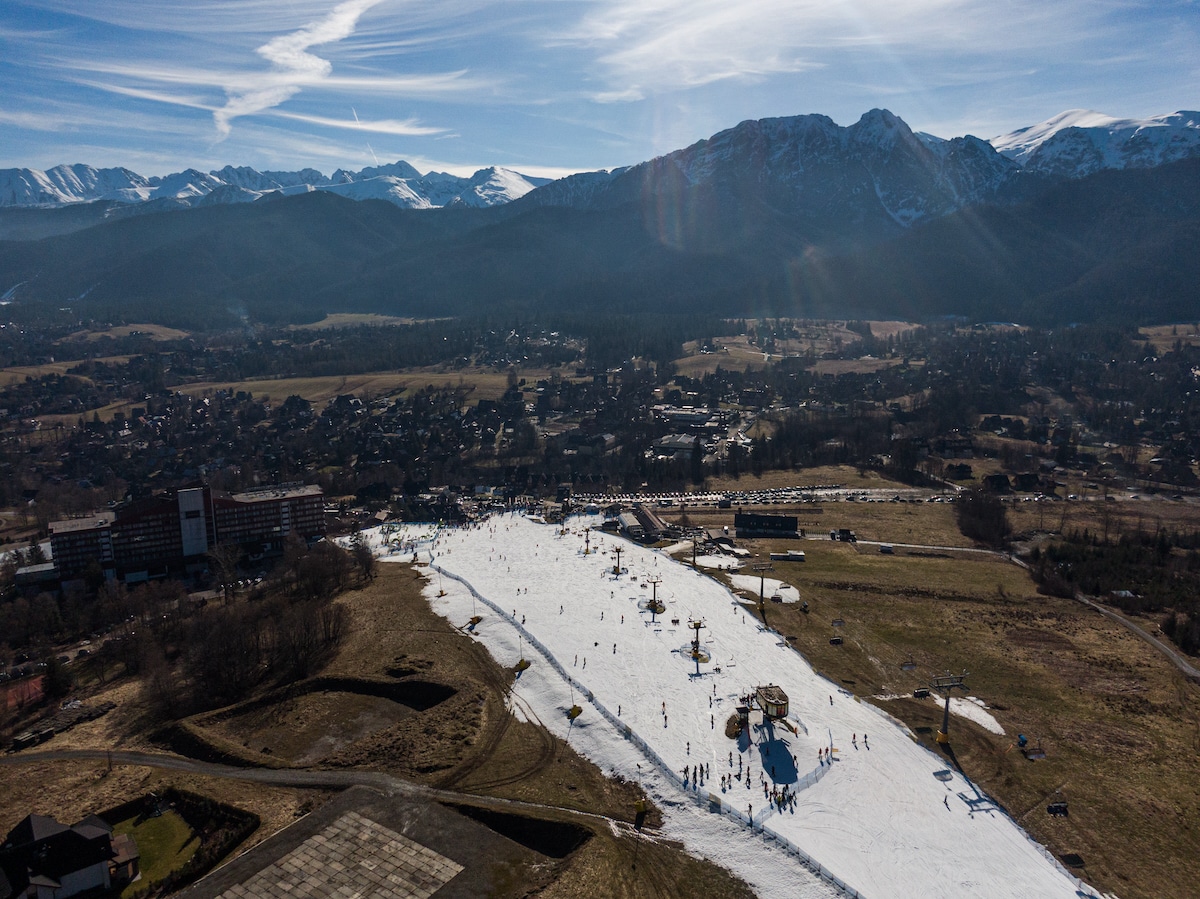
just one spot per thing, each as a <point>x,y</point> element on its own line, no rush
<point>981,516</point>
<point>224,557</point>
<point>363,557</point>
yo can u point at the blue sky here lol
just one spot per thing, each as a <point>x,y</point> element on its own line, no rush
<point>551,86</point>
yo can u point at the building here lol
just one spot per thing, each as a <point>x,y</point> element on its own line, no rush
<point>44,859</point>
<point>172,533</point>
<point>748,524</point>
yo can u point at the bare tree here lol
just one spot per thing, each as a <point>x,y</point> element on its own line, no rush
<point>225,557</point>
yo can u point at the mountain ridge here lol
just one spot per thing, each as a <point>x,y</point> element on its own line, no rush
<point>1071,144</point>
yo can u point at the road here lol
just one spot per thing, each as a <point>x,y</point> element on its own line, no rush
<point>387,784</point>
<point>1172,655</point>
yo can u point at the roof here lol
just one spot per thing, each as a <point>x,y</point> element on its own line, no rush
<point>264,494</point>
<point>91,523</point>
<point>33,829</point>
<point>40,850</point>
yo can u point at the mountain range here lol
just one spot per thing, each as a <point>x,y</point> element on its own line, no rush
<point>1071,144</point>
<point>1079,218</point>
<point>398,183</point>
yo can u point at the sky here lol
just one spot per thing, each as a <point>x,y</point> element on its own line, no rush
<point>549,87</point>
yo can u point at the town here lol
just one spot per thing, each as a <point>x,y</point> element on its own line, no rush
<point>208,521</point>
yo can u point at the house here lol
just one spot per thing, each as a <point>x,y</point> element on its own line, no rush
<point>43,859</point>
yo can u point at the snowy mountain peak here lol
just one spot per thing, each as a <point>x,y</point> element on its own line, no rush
<point>1081,141</point>
<point>399,183</point>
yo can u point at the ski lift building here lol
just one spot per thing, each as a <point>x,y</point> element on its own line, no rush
<point>772,700</point>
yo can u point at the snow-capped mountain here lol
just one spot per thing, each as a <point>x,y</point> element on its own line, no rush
<point>1079,142</point>
<point>397,183</point>
<point>69,184</point>
<point>875,173</point>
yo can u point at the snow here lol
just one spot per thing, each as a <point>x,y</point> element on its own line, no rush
<point>885,817</point>
<point>973,710</point>
<point>1080,141</point>
<point>719,561</point>
<point>770,586</point>
<point>398,183</point>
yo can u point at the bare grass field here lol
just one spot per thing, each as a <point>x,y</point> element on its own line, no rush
<point>17,374</point>
<point>820,476</point>
<point>1164,337</point>
<point>154,332</point>
<point>479,383</point>
<point>355,320</point>
<point>861,366</point>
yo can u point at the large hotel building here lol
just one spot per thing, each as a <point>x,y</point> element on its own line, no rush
<point>171,533</point>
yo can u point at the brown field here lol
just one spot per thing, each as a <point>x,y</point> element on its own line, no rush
<point>826,475</point>
<point>865,365</point>
<point>1164,337</point>
<point>479,383</point>
<point>154,332</point>
<point>884,330</point>
<point>731,353</point>
<point>18,373</point>
<point>354,320</point>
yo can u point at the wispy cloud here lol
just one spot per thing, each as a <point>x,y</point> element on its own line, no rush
<point>397,127</point>
<point>293,66</point>
<point>655,46</point>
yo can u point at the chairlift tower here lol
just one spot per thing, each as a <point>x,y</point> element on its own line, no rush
<point>617,567</point>
<point>697,624</point>
<point>946,684</point>
<point>761,570</point>
<point>655,607</point>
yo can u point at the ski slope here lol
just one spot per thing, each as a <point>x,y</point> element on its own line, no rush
<point>882,818</point>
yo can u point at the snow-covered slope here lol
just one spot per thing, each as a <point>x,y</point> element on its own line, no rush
<point>1079,142</point>
<point>397,183</point>
<point>70,184</point>
<point>795,807</point>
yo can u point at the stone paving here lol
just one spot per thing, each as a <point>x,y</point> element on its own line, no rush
<point>352,858</point>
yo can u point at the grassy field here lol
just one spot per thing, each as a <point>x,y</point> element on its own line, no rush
<point>1164,337</point>
<point>17,374</point>
<point>354,320</point>
<point>736,352</point>
<point>828,475</point>
<point>154,332</point>
<point>1120,726</point>
<point>165,844</point>
<point>479,384</point>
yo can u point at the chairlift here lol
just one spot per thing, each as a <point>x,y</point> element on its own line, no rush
<point>908,664</point>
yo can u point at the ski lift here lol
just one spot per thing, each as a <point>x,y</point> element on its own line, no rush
<point>908,664</point>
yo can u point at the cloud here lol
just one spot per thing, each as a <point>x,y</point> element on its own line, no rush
<point>293,66</point>
<point>401,128</point>
<point>645,47</point>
